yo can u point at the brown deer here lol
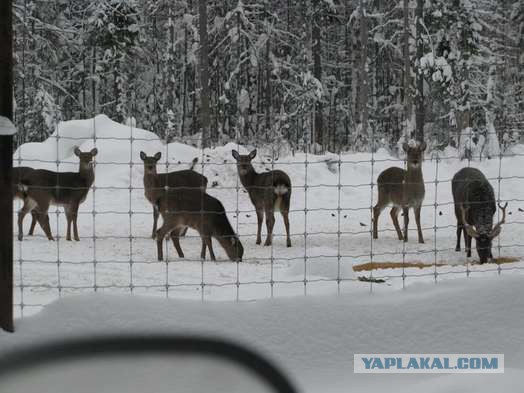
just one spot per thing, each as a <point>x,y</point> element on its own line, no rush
<point>474,200</point>
<point>403,189</point>
<point>43,188</point>
<point>18,193</point>
<point>155,183</point>
<point>202,212</point>
<point>269,192</point>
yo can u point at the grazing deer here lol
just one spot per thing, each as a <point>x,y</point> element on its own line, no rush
<point>474,201</point>
<point>155,183</point>
<point>269,192</point>
<point>43,188</point>
<point>18,193</point>
<point>202,212</point>
<point>403,189</point>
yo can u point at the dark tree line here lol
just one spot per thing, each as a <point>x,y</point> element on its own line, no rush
<point>303,74</point>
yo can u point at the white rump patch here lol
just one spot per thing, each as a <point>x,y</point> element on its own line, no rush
<point>281,190</point>
<point>30,203</point>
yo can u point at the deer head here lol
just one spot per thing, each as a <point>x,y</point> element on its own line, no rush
<point>484,239</point>
<point>86,158</point>
<point>244,161</point>
<point>415,153</point>
<point>150,162</point>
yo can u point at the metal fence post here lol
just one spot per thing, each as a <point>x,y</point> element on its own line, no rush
<point>6,164</point>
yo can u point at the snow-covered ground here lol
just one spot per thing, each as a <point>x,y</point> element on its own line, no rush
<point>313,338</point>
<point>337,222</point>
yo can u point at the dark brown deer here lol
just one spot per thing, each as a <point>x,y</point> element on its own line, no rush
<point>155,183</point>
<point>269,192</point>
<point>18,193</point>
<point>404,189</point>
<point>202,212</point>
<point>475,206</point>
<point>43,188</point>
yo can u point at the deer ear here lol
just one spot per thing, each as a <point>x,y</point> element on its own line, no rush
<point>235,154</point>
<point>405,146</point>
<point>423,146</point>
<point>157,156</point>
<point>77,151</point>
<point>94,152</point>
<point>253,154</point>
<point>143,156</point>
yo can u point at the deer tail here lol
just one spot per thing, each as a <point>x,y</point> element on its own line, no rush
<point>281,192</point>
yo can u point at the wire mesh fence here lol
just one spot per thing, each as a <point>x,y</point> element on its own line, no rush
<point>331,214</point>
<point>332,194</point>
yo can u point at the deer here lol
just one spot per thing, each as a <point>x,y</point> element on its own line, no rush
<point>156,184</point>
<point>269,192</point>
<point>474,202</point>
<point>403,189</point>
<point>200,211</point>
<point>43,188</point>
<point>18,193</point>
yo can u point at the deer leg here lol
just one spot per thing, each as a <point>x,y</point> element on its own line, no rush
<point>69,218</point>
<point>419,227</point>
<point>21,215</point>
<point>394,217</point>
<point>160,235</point>
<point>155,221</point>
<point>209,244</point>
<point>203,250</point>
<point>376,214</point>
<point>175,236</point>
<point>270,223</point>
<point>29,205</point>
<point>260,218</point>
<point>285,216</point>
<point>75,225</point>
<point>459,233</point>
<point>34,219</point>
<point>405,210</point>
<point>43,220</point>
<point>467,240</point>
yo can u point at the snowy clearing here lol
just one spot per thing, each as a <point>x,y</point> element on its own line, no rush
<point>313,338</point>
<point>330,225</point>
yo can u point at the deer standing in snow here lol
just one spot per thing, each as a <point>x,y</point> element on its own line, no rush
<point>404,189</point>
<point>474,201</point>
<point>42,188</point>
<point>269,192</point>
<point>155,184</point>
<point>197,210</point>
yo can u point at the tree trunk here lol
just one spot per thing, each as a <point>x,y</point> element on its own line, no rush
<point>419,99</point>
<point>204,73</point>
<point>317,67</point>
<point>363,74</point>
<point>408,102</point>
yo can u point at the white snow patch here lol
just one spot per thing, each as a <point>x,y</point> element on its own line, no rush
<point>313,339</point>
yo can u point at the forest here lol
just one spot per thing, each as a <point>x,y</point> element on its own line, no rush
<point>300,75</point>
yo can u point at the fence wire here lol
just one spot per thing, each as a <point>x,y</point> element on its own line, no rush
<point>331,211</point>
<point>330,255</point>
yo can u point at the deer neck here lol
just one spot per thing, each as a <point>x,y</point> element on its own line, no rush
<point>248,179</point>
<point>151,183</point>
<point>88,173</point>
<point>414,175</point>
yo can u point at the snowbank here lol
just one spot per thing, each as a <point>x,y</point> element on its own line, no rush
<point>314,338</point>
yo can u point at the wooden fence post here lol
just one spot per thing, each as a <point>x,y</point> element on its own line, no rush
<point>7,130</point>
